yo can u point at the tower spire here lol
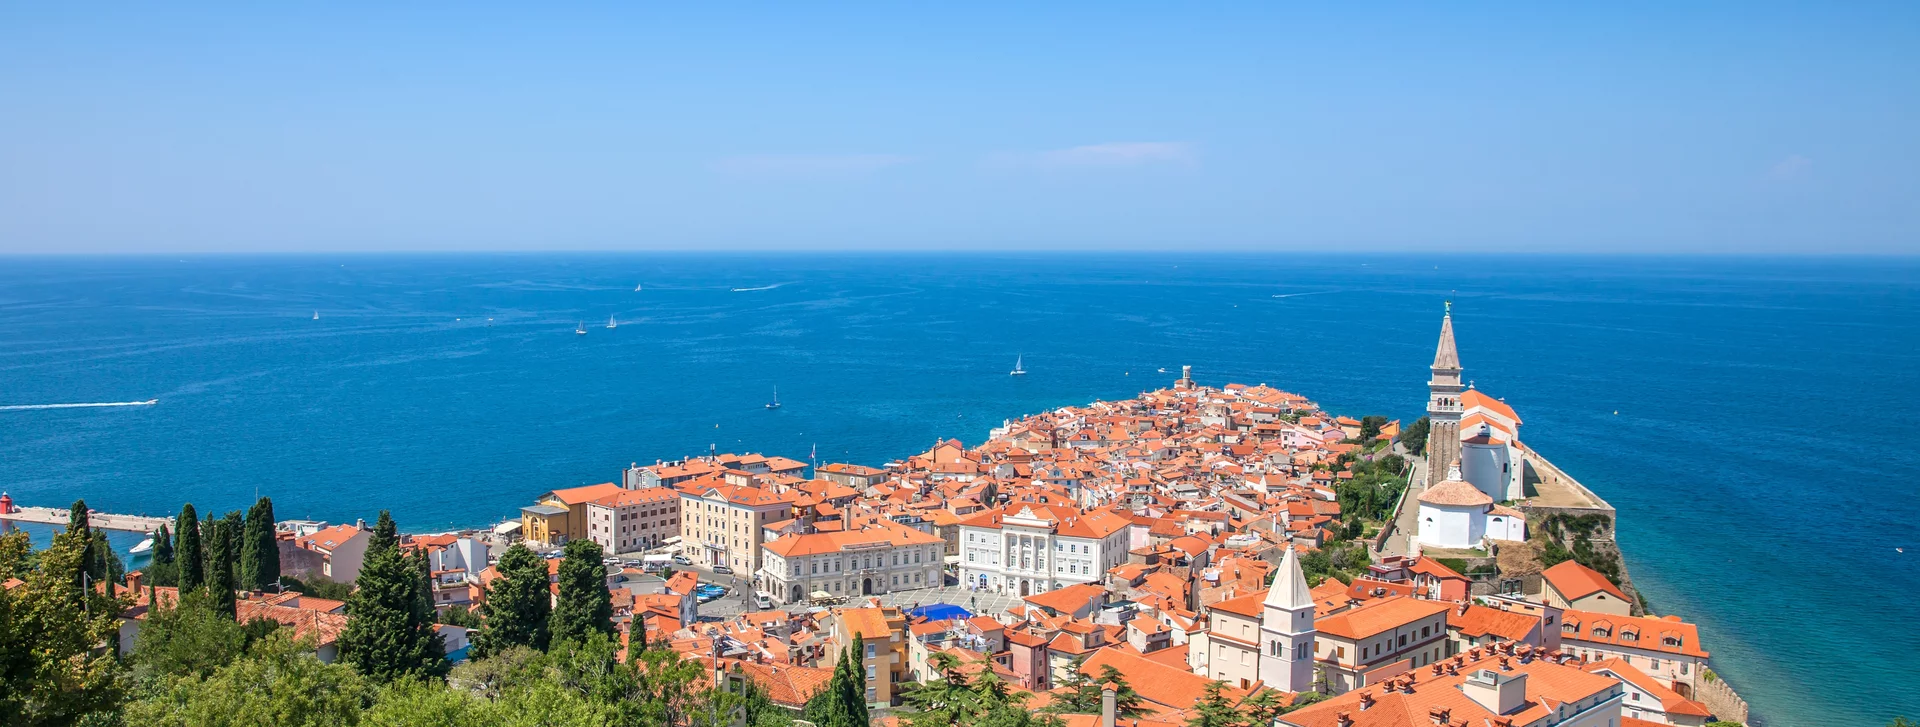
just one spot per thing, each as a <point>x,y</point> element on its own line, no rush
<point>1446,356</point>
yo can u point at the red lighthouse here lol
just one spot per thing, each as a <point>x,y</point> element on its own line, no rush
<point>6,504</point>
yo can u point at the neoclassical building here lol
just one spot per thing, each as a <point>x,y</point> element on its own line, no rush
<point>874,557</point>
<point>1028,548</point>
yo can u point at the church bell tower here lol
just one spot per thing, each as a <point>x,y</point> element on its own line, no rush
<point>1443,405</point>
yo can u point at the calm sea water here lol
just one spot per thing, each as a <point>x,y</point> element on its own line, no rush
<point>1761,455</point>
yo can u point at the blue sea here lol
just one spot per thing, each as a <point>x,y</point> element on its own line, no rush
<point>1751,418</point>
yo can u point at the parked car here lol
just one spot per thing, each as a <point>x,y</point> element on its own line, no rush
<point>763,601</point>
<point>682,560</point>
<point>723,570</point>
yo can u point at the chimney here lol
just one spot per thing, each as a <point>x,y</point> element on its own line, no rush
<point>360,523</point>
<point>1107,704</point>
<point>1344,719</point>
<point>133,581</point>
<point>1439,715</point>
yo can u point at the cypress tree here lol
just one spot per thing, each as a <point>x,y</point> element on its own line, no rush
<point>259,550</point>
<point>162,546</point>
<point>584,605</point>
<point>387,636</point>
<point>187,555</point>
<point>220,560</point>
<point>517,606</point>
<point>104,562</point>
<point>79,524</point>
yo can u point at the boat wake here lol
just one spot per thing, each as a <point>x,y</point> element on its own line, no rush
<point>29,407</point>
<point>763,287</point>
<point>1296,295</point>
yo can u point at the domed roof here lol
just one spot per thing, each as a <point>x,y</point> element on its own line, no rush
<point>1455,492</point>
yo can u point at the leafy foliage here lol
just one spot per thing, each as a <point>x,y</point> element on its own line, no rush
<point>51,674</point>
<point>1414,436</point>
<point>843,703</point>
<point>280,683</point>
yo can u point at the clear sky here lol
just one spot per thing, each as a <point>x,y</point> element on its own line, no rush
<point>1659,127</point>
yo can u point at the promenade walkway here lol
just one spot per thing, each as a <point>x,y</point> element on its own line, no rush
<point>57,516</point>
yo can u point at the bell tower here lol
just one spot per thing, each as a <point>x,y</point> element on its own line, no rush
<point>1443,404</point>
<point>1286,628</point>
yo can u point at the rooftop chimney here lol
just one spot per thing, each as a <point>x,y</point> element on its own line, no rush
<point>1107,701</point>
<point>133,582</point>
<point>1498,693</point>
<point>1345,719</point>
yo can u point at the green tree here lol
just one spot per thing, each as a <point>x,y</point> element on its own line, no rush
<point>279,683</point>
<point>220,560</point>
<point>418,703</point>
<point>385,534</point>
<point>1077,693</point>
<point>387,636</point>
<point>16,555</point>
<point>1265,707</point>
<point>104,561</point>
<point>1126,702</point>
<point>665,687</point>
<point>1415,436</point>
<point>189,561</point>
<point>1370,427</point>
<point>1214,710</point>
<point>843,703</point>
<point>191,638</point>
<point>584,605</point>
<point>517,607</point>
<point>51,671</point>
<point>259,549</point>
<point>950,700</point>
<point>80,521</point>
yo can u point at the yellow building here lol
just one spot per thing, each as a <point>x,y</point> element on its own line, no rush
<point>721,520</point>
<point>561,515</point>
<point>883,635</point>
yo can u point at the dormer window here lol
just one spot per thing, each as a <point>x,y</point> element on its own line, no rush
<point>1671,641</point>
<point>1601,632</point>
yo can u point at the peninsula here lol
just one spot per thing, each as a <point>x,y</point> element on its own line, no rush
<point>1188,554</point>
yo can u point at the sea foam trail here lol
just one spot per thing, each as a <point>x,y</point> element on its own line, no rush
<point>27,407</point>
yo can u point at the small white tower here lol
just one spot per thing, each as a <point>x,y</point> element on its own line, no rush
<point>1286,629</point>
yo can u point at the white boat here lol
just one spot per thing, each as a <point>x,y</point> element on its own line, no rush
<point>144,546</point>
<point>580,329</point>
<point>611,323</point>
<point>775,404</point>
<point>1018,369</point>
<point>316,315</point>
<point>637,287</point>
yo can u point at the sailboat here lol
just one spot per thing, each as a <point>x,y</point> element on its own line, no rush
<point>1018,369</point>
<point>775,404</point>
<point>611,324</point>
<point>316,315</point>
<point>580,328</point>
<point>637,287</point>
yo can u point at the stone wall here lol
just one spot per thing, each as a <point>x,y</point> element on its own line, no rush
<point>1720,699</point>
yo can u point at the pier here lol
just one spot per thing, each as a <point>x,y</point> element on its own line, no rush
<point>58,517</point>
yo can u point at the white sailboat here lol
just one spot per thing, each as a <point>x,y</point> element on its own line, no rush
<point>611,323</point>
<point>580,329</point>
<point>1018,369</point>
<point>316,315</point>
<point>775,404</point>
<point>637,287</point>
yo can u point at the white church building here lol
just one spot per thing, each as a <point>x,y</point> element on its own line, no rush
<point>1483,468</point>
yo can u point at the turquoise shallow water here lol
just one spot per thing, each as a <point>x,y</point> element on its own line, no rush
<point>1761,458</point>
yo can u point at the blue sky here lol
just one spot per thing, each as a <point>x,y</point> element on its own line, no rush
<point>1659,127</point>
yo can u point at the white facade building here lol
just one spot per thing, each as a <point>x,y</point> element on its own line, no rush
<point>1455,514</point>
<point>1028,548</point>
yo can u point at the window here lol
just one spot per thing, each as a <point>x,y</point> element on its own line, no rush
<point>869,653</point>
<point>871,695</point>
<point>872,672</point>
